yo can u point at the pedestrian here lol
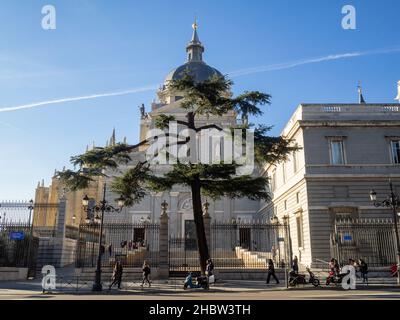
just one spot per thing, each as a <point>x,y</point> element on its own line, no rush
<point>334,267</point>
<point>209,271</point>
<point>363,270</point>
<point>146,273</point>
<point>271,271</point>
<point>110,249</point>
<point>295,265</point>
<point>117,275</point>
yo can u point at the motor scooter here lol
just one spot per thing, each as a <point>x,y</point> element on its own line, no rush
<point>296,279</point>
<point>335,278</point>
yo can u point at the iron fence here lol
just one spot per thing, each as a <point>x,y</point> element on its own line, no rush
<point>244,245</point>
<point>183,255</point>
<point>18,246</point>
<point>130,243</point>
<point>25,211</point>
<point>248,244</point>
<point>372,240</point>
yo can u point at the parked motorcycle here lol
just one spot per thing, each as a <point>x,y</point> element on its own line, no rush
<point>335,278</point>
<point>296,279</point>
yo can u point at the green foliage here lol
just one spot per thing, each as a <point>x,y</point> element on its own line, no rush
<point>75,180</point>
<point>130,186</point>
<point>270,149</point>
<point>103,158</point>
<point>162,121</point>
<point>216,181</point>
<point>212,96</point>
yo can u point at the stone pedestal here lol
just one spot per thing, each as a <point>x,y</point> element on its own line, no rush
<point>163,263</point>
<point>207,229</point>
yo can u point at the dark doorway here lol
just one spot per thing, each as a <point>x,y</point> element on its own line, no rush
<point>245,238</point>
<point>138,234</point>
<point>190,235</point>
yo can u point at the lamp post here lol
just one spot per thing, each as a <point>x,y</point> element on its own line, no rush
<point>392,202</point>
<point>100,208</point>
<point>30,208</point>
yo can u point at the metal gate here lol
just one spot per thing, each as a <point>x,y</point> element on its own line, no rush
<point>18,246</point>
<point>372,240</point>
<point>244,245</point>
<point>248,244</point>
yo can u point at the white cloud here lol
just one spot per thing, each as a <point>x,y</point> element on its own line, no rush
<point>293,64</point>
<point>88,97</point>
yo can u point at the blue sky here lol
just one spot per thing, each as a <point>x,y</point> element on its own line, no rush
<point>104,47</point>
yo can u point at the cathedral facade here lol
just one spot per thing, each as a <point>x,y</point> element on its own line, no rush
<point>179,198</point>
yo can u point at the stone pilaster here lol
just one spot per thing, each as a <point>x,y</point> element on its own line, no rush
<point>61,218</point>
<point>163,261</point>
<point>207,225</point>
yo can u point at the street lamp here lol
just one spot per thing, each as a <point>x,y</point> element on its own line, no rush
<point>30,208</point>
<point>275,220</point>
<point>392,202</point>
<point>99,209</point>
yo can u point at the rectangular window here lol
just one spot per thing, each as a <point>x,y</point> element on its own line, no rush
<point>284,172</point>
<point>395,147</point>
<point>285,205</point>
<point>337,152</point>
<point>298,197</point>
<point>299,223</point>
<point>273,181</point>
<point>295,162</point>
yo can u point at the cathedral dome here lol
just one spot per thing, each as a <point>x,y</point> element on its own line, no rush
<point>199,70</point>
<point>195,65</point>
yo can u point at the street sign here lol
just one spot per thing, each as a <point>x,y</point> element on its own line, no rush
<point>281,239</point>
<point>17,235</point>
<point>347,237</point>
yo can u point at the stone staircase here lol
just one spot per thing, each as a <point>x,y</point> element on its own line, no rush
<point>252,259</point>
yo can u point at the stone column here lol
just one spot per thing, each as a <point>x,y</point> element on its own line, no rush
<point>61,218</point>
<point>163,263</point>
<point>173,215</point>
<point>58,241</point>
<point>207,225</point>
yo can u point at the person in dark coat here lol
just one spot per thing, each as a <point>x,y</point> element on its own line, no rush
<point>363,267</point>
<point>146,273</point>
<point>295,265</point>
<point>271,271</point>
<point>209,268</point>
<point>117,275</point>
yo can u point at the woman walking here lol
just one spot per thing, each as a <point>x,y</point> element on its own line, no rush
<point>117,275</point>
<point>146,273</point>
<point>271,271</point>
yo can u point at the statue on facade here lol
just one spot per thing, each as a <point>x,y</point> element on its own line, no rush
<point>142,111</point>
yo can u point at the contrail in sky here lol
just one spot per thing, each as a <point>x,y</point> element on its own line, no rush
<point>237,73</point>
<point>89,97</point>
<point>296,63</point>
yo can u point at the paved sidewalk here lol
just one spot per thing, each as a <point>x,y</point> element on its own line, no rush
<point>171,287</point>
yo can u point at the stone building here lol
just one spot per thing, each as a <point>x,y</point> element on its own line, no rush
<point>346,150</point>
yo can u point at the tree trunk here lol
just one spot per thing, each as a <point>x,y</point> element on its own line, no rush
<point>199,222</point>
<point>196,200</point>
